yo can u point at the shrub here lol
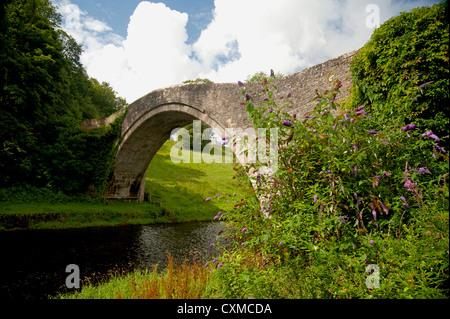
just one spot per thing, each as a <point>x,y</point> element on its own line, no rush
<point>351,188</point>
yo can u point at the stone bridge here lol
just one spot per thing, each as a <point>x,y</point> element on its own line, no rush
<point>150,120</point>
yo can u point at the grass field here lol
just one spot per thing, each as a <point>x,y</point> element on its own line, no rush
<point>184,187</point>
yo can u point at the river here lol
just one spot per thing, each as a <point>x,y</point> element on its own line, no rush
<point>33,262</point>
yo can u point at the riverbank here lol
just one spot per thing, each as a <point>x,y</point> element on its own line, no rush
<point>177,191</point>
<point>20,216</point>
<point>178,281</point>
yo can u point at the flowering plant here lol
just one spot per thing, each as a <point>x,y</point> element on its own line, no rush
<point>345,182</point>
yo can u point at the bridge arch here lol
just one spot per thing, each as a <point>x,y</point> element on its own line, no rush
<point>143,139</point>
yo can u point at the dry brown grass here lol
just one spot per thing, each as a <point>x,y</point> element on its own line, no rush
<point>186,281</point>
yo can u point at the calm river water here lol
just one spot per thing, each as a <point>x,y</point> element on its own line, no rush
<point>33,263</point>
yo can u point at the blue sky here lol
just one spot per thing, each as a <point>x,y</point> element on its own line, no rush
<point>116,13</point>
<point>139,46</point>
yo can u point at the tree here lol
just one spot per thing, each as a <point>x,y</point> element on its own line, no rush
<point>407,52</point>
<point>45,93</point>
<point>260,76</point>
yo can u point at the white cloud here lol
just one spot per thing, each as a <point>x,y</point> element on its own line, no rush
<point>243,38</point>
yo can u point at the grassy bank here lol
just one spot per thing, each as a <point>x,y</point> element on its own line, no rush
<point>176,282</point>
<point>181,190</point>
<point>184,187</point>
<point>75,215</point>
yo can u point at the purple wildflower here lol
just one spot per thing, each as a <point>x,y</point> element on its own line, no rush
<point>244,229</point>
<point>372,242</point>
<point>355,196</point>
<point>409,127</point>
<point>342,219</point>
<point>240,84</point>
<point>206,265</point>
<point>265,99</point>
<point>352,120</point>
<point>431,135</point>
<point>315,199</point>
<point>319,100</point>
<point>208,199</point>
<point>272,74</point>
<point>360,108</point>
<point>289,95</point>
<point>294,115</point>
<point>355,170</point>
<point>234,194</point>
<point>281,243</point>
<point>306,116</point>
<point>409,184</point>
<point>242,244</point>
<point>387,174</point>
<point>217,195</point>
<point>334,127</point>
<point>247,97</point>
<point>258,178</point>
<point>287,123</point>
<point>358,201</point>
<point>355,147</point>
<point>325,113</point>
<point>424,170</point>
<point>346,117</point>
<point>361,112</point>
<point>404,200</point>
<point>440,148</point>
<point>374,212</point>
<point>373,132</point>
<point>386,211</point>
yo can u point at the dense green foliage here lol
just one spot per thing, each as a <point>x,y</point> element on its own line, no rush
<point>407,51</point>
<point>358,189</point>
<point>44,94</point>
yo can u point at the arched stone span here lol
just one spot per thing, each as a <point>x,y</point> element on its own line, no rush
<point>150,120</point>
<point>141,142</point>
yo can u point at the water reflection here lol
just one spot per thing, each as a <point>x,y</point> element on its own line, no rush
<point>33,262</point>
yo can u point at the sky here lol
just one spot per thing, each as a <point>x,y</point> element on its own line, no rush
<point>139,46</point>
